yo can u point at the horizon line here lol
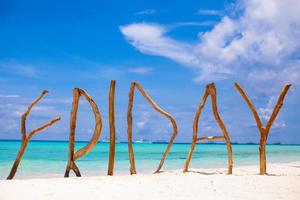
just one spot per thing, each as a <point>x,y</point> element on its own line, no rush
<point>125,142</point>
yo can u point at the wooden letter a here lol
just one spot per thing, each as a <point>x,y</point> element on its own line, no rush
<point>210,90</point>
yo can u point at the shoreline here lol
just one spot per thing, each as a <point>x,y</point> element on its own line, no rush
<point>283,182</point>
<point>87,174</point>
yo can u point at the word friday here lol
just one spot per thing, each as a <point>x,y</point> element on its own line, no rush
<point>210,90</point>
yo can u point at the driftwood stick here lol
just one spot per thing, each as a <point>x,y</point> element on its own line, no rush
<point>97,132</point>
<point>210,138</point>
<point>195,129</point>
<point>76,170</point>
<point>112,131</point>
<point>26,139</point>
<point>24,116</point>
<point>264,131</point>
<point>50,123</point>
<point>73,156</point>
<point>277,107</point>
<point>18,159</point>
<point>73,119</point>
<point>167,115</point>
<point>209,90</point>
<point>129,121</point>
<point>213,94</point>
<point>251,106</point>
<point>129,129</point>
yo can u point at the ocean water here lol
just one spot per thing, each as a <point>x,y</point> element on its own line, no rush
<point>48,158</point>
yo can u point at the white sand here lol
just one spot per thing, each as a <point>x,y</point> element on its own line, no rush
<point>206,184</point>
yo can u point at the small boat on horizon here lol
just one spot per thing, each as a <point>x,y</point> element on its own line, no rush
<point>142,141</point>
<point>107,140</point>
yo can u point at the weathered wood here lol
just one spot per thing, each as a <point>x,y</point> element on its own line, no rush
<point>129,129</point>
<point>73,119</point>
<point>26,138</point>
<point>168,116</point>
<point>195,129</point>
<point>210,90</point>
<point>129,120</point>
<point>112,131</point>
<point>213,96</point>
<point>264,130</point>
<point>73,156</point>
<point>210,138</point>
<point>252,108</point>
<point>97,132</point>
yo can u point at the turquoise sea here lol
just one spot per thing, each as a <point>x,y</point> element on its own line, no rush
<point>49,158</point>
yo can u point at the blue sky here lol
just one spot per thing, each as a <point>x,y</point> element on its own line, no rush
<point>172,48</point>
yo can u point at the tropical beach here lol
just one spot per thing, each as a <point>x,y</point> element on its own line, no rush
<point>41,173</point>
<point>150,100</point>
<point>47,159</point>
<point>245,183</point>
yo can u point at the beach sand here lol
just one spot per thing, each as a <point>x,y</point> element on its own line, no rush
<point>283,182</point>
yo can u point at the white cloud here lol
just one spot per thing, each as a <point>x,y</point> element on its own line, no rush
<point>259,45</point>
<point>151,39</point>
<point>58,100</point>
<point>146,12</point>
<point>265,113</point>
<point>141,124</point>
<point>148,123</point>
<point>8,96</point>
<point>192,23</point>
<point>140,70</point>
<point>209,12</point>
<point>17,68</point>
